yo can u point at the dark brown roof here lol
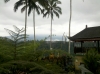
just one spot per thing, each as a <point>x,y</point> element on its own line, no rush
<point>90,33</point>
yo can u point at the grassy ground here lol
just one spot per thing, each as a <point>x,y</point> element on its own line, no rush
<point>78,61</point>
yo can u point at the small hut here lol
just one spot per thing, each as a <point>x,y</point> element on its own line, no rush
<point>89,34</point>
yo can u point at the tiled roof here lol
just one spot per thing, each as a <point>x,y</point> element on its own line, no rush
<point>90,33</point>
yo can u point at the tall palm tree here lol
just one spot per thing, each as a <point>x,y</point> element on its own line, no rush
<point>52,9</point>
<point>36,7</point>
<point>17,4</point>
<point>25,20</point>
<point>70,23</point>
<point>31,5</point>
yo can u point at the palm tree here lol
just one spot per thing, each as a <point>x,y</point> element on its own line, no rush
<point>32,5</point>
<point>52,9</point>
<point>42,3</point>
<point>17,4</point>
<point>34,8</point>
<point>25,20</point>
<point>70,23</point>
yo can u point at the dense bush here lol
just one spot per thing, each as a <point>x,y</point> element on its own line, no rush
<point>91,59</point>
<point>31,61</point>
<point>18,67</point>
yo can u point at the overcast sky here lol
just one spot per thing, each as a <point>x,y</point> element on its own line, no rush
<point>83,13</point>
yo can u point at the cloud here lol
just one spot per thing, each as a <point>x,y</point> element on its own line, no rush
<point>83,13</point>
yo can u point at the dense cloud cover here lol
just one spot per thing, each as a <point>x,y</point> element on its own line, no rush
<point>84,13</point>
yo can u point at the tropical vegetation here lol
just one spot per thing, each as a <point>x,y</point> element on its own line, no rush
<point>19,56</point>
<point>91,59</point>
<point>29,61</point>
<point>52,9</point>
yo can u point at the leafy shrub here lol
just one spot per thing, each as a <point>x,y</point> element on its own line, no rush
<point>90,61</point>
<point>17,67</point>
<point>4,58</point>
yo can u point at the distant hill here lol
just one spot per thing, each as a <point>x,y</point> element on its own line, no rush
<point>41,37</point>
<point>56,44</point>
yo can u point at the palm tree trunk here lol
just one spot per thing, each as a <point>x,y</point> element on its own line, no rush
<point>51,34</point>
<point>25,22</point>
<point>34,26</point>
<point>70,23</point>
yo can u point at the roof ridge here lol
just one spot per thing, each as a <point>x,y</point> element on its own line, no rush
<point>87,33</point>
<point>93,27</point>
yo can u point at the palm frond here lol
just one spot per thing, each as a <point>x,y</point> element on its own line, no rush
<point>29,10</point>
<point>53,8</point>
<point>31,5</point>
<point>23,9</point>
<point>58,2</point>
<point>43,3</point>
<point>56,14</point>
<point>42,11</point>
<point>54,5</point>
<point>52,2</point>
<point>18,4</point>
<point>37,10</point>
<point>58,9</point>
<point>6,1</point>
<point>47,13</point>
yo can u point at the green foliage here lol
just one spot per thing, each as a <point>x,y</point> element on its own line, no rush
<point>31,55</point>
<point>90,60</point>
<point>4,58</point>
<point>31,46</point>
<point>56,52</point>
<point>59,57</point>
<point>5,46</point>
<point>16,37</point>
<point>52,9</point>
<point>7,66</point>
<point>51,66</point>
<point>17,67</point>
<point>55,45</point>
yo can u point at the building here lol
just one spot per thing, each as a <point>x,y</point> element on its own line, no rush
<point>89,34</point>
